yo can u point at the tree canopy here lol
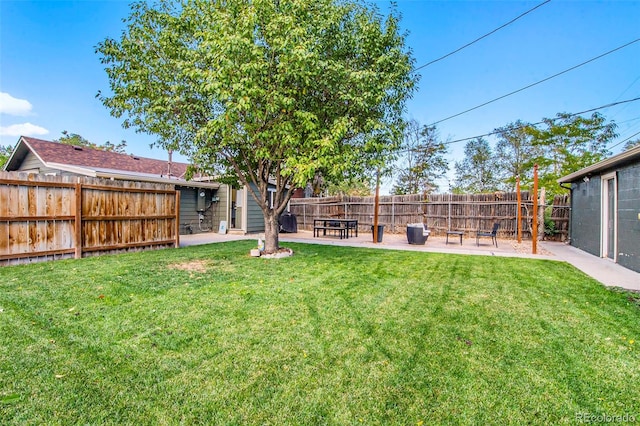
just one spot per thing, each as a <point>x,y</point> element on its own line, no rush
<point>514,152</point>
<point>77,140</point>
<point>631,144</point>
<point>265,92</point>
<point>477,171</point>
<point>422,160</point>
<point>568,143</point>
<point>5,153</point>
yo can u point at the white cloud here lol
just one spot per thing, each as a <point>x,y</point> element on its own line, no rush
<point>24,129</point>
<point>13,106</point>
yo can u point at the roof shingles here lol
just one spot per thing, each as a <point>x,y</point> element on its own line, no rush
<point>55,152</point>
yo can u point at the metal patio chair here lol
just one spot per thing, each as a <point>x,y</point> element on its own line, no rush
<point>493,234</point>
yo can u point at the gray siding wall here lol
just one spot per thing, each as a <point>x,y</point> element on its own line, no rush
<point>255,218</point>
<point>31,162</point>
<point>189,215</point>
<point>220,208</point>
<point>628,221</point>
<point>585,215</point>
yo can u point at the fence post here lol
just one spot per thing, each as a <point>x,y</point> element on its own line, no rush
<point>78,220</point>
<point>393,213</point>
<point>177,228</point>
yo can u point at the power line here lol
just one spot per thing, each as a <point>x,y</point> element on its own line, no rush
<point>480,38</point>
<point>631,119</point>
<point>495,132</point>
<point>536,83</point>
<point>623,141</point>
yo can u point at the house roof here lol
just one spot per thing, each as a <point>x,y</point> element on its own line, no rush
<point>625,157</point>
<point>97,163</point>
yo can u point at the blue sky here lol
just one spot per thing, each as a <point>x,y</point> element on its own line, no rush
<point>50,74</point>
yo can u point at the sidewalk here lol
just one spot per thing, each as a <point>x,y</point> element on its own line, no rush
<point>606,272</point>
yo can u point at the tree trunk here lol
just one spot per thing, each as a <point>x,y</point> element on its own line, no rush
<point>271,232</point>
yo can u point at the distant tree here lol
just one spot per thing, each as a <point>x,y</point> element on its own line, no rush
<point>513,153</point>
<point>77,140</point>
<point>360,187</point>
<point>422,160</point>
<point>567,144</point>
<point>5,153</point>
<point>476,173</point>
<point>631,144</point>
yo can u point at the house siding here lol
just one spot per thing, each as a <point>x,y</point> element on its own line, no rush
<point>585,215</point>
<point>628,220</point>
<point>255,218</point>
<point>31,162</point>
<point>221,208</point>
<point>189,215</point>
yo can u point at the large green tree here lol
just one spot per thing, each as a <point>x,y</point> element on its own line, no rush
<point>514,151</point>
<point>422,160</point>
<point>267,91</point>
<point>569,143</point>
<point>476,173</point>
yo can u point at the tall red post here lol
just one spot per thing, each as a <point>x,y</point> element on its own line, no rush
<point>519,211</point>
<point>534,231</point>
<point>376,204</point>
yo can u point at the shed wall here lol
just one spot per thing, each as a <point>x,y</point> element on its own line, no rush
<point>585,215</point>
<point>628,220</point>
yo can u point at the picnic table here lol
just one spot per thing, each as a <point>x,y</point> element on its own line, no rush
<point>339,227</point>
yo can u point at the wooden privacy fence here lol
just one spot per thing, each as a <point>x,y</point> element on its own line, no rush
<point>53,217</point>
<point>441,212</point>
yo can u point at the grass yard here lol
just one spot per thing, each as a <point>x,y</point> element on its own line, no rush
<point>332,335</point>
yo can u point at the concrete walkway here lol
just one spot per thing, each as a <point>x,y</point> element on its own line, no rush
<point>608,273</point>
<point>604,270</point>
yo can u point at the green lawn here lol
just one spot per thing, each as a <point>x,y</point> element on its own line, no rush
<point>332,335</point>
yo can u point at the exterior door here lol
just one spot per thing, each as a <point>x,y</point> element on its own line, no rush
<point>236,208</point>
<point>609,216</point>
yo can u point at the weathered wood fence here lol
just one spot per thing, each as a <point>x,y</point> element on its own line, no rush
<point>53,217</point>
<point>441,212</point>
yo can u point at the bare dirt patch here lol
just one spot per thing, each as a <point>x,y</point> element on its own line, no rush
<point>192,266</point>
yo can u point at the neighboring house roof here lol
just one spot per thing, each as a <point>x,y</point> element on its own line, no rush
<point>625,157</point>
<point>97,163</point>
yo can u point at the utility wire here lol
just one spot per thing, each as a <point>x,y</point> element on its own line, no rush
<point>536,83</point>
<point>480,38</point>
<point>623,141</point>
<point>495,132</point>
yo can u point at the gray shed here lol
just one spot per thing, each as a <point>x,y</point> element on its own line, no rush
<point>605,208</point>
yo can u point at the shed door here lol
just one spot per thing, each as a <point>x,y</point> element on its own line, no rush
<point>609,216</point>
